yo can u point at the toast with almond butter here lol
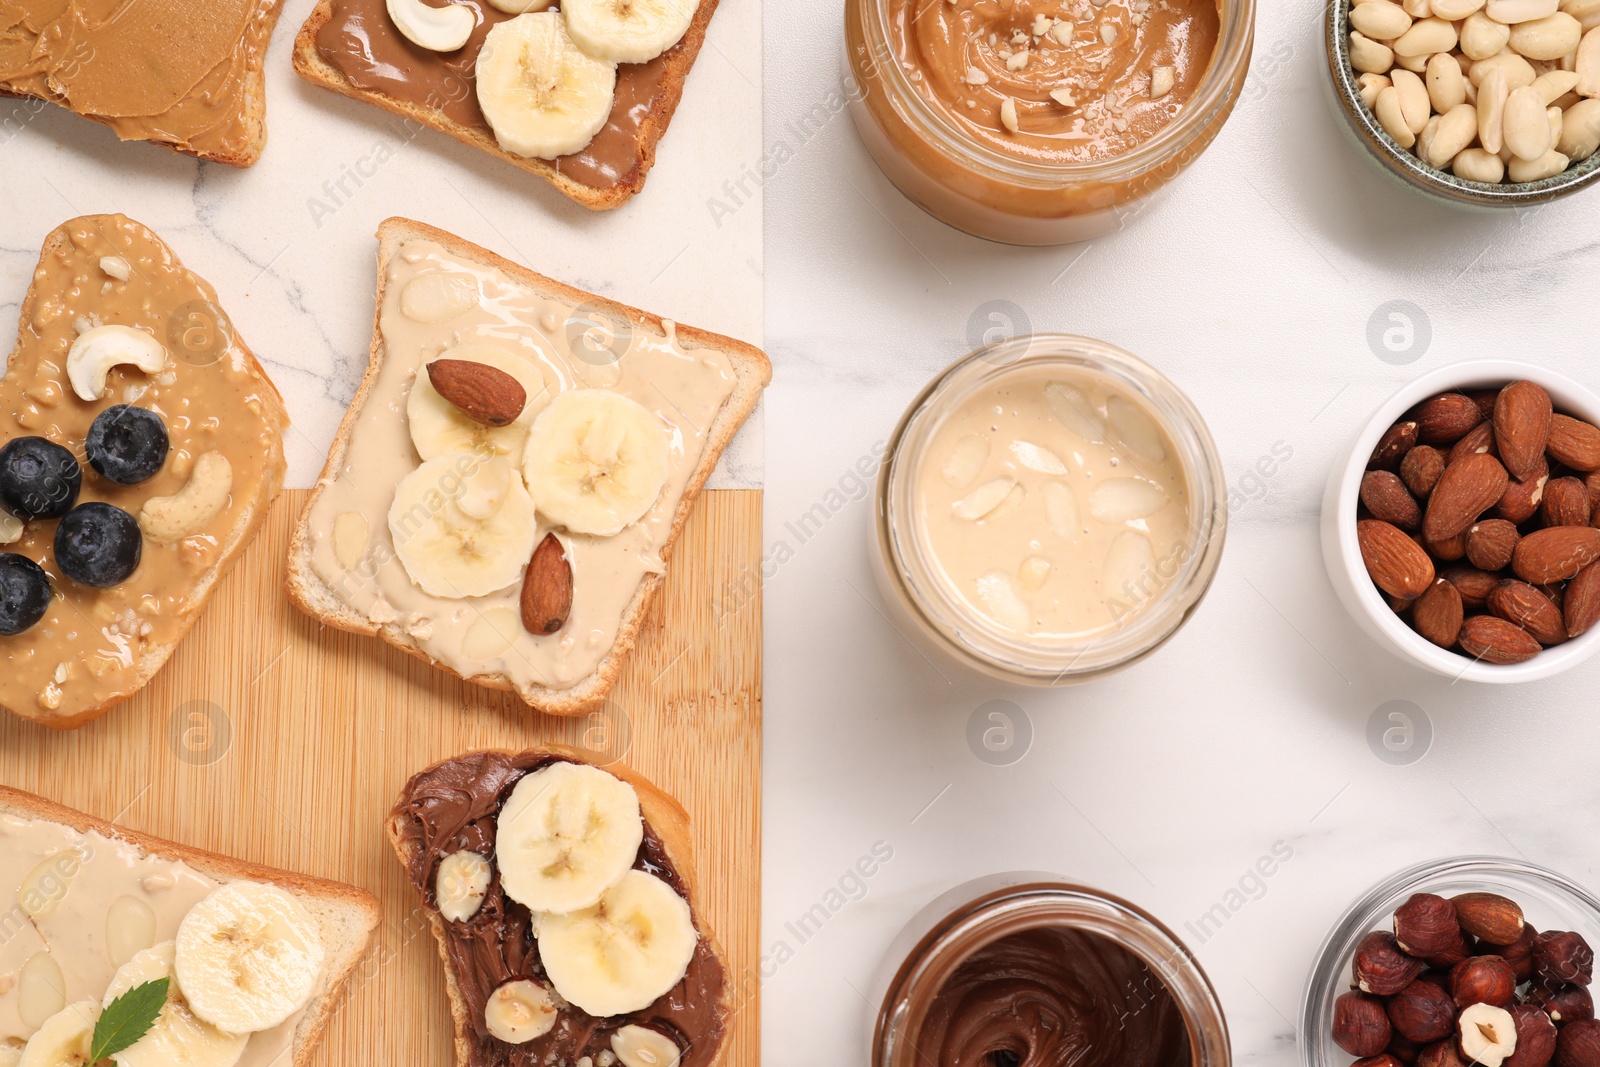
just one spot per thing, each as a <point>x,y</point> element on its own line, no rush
<point>504,494</point>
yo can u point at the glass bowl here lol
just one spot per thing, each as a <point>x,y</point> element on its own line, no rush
<point>1406,166</point>
<point>1549,900</point>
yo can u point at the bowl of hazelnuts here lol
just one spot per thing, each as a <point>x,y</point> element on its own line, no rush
<point>1462,528</point>
<point>1474,960</point>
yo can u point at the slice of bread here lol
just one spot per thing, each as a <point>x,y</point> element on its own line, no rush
<point>663,815</point>
<point>312,66</point>
<point>217,375</point>
<point>345,915</point>
<point>233,131</point>
<point>314,596</point>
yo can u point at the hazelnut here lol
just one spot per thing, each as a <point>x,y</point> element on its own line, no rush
<point>1360,1026</point>
<point>1536,1037</point>
<point>1426,925</point>
<point>1452,956</point>
<point>1565,1003</point>
<point>1423,1011</point>
<point>1441,1054</point>
<point>1483,980</point>
<point>1403,1049</point>
<point>1381,968</point>
<point>1489,917</point>
<point>1519,953</point>
<point>1383,1059</point>
<point>1578,1044</point>
<point>1488,1035</point>
<point>1563,958</point>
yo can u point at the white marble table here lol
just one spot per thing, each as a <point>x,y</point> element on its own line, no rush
<point>1252,286</point>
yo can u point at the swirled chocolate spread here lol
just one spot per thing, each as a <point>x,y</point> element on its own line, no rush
<point>1053,997</point>
<point>361,40</point>
<point>453,806</point>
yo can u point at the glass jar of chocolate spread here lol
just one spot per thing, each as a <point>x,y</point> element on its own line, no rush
<point>1050,509</point>
<point>1043,123</point>
<point>1024,970</point>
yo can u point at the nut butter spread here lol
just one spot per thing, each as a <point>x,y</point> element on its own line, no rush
<point>1049,998</point>
<point>546,342</point>
<point>93,646</point>
<point>361,40</point>
<point>76,906</point>
<point>454,806</point>
<point>181,72</point>
<point>1056,81</point>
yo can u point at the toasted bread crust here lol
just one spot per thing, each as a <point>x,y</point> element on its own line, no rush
<point>310,65</point>
<point>313,596</point>
<point>251,518</point>
<point>662,813</point>
<point>346,914</point>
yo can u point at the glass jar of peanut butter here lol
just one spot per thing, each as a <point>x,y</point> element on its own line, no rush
<point>1050,509</point>
<point>1042,122</point>
<point>1028,969</point>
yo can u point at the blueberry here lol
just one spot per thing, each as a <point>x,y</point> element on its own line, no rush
<point>127,445</point>
<point>24,593</point>
<point>98,545</point>
<point>38,479</point>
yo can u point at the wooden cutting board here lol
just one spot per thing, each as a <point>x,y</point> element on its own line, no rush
<point>271,738</point>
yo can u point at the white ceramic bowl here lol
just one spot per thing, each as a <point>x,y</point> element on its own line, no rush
<point>1342,553</point>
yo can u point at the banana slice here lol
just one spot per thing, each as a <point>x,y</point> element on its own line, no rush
<point>623,954</point>
<point>628,31</point>
<point>439,428</point>
<point>567,834</point>
<point>65,1038</point>
<point>596,461</point>
<point>177,1039</point>
<point>542,96</point>
<point>463,526</point>
<point>247,957</point>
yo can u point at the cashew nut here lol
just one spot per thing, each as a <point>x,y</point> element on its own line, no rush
<point>520,7</point>
<point>97,350</point>
<point>10,528</point>
<point>166,519</point>
<point>439,29</point>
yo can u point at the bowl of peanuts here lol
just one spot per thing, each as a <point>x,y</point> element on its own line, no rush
<point>1485,102</point>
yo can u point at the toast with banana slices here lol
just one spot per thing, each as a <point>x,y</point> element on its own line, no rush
<point>505,492</point>
<point>600,958</point>
<point>255,959</point>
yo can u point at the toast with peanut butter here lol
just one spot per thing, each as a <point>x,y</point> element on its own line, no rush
<point>620,961</point>
<point>505,492</point>
<point>184,74</point>
<point>141,445</point>
<point>584,110</point>
<point>256,959</point>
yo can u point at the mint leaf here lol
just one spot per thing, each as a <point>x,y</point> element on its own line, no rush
<point>127,1019</point>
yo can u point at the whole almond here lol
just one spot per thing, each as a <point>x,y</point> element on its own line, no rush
<point>1490,544</point>
<point>547,588</point>
<point>1522,499</point>
<point>1493,640</point>
<point>1473,585</point>
<point>482,393</point>
<point>1486,399</point>
<point>1446,419</point>
<point>1522,419</point>
<point>1397,564</point>
<point>1489,916</point>
<point>1566,503</point>
<point>1555,554</point>
<point>1479,439</point>
<point>1450,550</point>
<point>1396,441</point>
<point>1581,605</point>
<point>1522,605</point>
<point>1387,498</point>
<point>1420,470</point>
<point>1574,443</point>
<point>1439,613</point>
<point>1469,487</point>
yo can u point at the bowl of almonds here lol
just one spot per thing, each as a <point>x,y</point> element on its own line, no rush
<point>1462,530</point>
<point>1490,102</point>
<point>1474,960</point>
